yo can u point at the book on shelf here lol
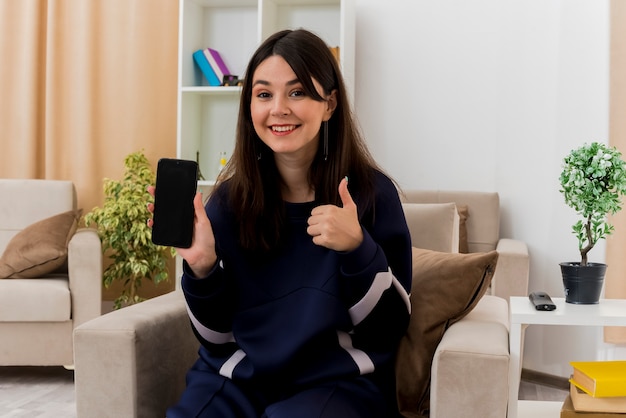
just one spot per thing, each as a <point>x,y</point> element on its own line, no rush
<point>600,378</point>
<point>205,67</point>
<point>217,63</point>
<point>568,411</point>
<point>335,51</point>
<point>584,402</point>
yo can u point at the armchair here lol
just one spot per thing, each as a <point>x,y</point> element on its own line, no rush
<point>38,313</point>
<point>469,371</point>
<point>132,362</point>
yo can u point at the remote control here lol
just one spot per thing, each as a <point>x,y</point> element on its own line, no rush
<point>542,301</point>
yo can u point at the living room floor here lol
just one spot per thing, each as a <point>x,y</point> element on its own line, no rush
<point>48,392</point>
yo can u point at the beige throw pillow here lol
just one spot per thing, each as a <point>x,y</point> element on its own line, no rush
<point>40,248</point>
<point>433,226</point>
<point>445,288</point>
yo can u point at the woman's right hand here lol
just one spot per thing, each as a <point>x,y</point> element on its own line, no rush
<point>200,256</point>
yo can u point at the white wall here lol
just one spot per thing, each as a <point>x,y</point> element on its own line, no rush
<point>491,95</point>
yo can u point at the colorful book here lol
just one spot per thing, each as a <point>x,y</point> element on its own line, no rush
<point>600,378</point>
<point>206,69</point>
<point>217,63</point>
<point>585,403</point>
<point>335,51</point>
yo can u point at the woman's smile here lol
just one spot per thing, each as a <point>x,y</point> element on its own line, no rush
<point>283,129</point>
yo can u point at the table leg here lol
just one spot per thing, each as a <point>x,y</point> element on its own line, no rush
<point>515,358</point>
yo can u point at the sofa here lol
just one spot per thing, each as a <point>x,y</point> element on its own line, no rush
<point>132,362</point>
<point>50,272</point>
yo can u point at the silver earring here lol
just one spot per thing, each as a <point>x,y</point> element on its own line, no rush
<point>325,140</point>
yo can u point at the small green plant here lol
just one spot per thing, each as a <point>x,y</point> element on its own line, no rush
<point>125,236</point>
<point>593,181</point>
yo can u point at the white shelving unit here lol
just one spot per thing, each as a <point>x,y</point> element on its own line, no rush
<point>207,115</point>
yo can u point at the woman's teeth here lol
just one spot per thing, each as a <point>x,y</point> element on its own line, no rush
<point>283,128</point>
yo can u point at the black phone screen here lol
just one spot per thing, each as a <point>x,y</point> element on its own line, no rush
<point>176,184</point>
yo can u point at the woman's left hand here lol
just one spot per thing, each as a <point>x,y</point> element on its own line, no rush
<point>336,228</point>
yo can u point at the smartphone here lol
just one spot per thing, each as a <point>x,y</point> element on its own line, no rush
<point>176,185</point>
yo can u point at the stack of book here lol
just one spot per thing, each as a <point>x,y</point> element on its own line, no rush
<point>597,390</point>
<point>212,66</point>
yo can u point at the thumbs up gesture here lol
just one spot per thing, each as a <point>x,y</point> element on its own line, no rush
<point>336,228</point>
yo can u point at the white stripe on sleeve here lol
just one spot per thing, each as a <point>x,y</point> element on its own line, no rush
<point>362,360</point>
<point>208,334</point>
<point>229,366</point>
<point>362,308</point>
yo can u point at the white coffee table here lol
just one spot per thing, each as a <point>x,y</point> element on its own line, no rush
<point>522,313</point>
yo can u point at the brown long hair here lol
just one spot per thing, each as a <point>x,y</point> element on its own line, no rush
<point>251,174</point>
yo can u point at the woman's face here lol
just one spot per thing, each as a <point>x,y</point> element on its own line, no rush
<point>285,118</point>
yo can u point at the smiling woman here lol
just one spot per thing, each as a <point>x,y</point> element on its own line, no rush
<point>296,291</point>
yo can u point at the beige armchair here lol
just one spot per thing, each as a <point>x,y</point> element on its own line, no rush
<point>132,362</point>
<point>469,372</point>
<point>58,270</point>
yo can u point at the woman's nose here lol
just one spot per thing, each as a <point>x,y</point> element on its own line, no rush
<point>280,106</point>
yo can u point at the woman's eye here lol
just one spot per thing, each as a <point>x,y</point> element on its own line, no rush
<point>263,95</point>
<point>298,93</point>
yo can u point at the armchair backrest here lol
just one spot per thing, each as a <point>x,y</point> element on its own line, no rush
<point>26,201</point>
<point>483,222</point>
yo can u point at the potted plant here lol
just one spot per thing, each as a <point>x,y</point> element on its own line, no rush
<point>125,236</point>
<point>593,182</point>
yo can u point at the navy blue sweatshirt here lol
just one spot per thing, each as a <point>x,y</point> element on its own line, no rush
<point>307,314</point>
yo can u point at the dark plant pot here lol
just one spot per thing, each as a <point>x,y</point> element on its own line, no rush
<point>583,284</point>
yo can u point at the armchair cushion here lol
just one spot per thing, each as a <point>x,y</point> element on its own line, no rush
<point>433,226</point>
<point>44,300</point>
<point>40,248</point>
<point>445,288</point>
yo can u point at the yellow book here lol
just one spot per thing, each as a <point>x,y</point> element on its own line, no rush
<point>600,378</point>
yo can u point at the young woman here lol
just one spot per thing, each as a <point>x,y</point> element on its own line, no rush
<point>297,280</point>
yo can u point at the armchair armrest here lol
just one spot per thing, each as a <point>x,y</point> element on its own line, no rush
<point>511,275</point>
<point>471,363</point>
<point>84,267</point>
<point>132,362</point>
